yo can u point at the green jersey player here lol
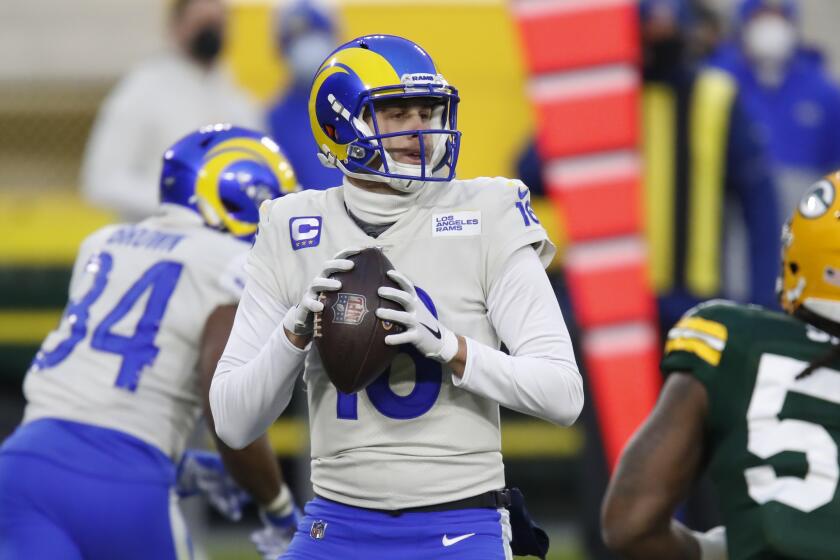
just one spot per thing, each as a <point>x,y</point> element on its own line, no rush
<point>753,396</point>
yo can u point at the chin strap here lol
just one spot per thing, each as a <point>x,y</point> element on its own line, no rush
<point>327,159</point>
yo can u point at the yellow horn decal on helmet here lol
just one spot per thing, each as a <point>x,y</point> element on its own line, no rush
<point>373,70</point>
<point>217,160</point>
<point>206,189</point>
<point>338,150</point>
<point>270,155</point>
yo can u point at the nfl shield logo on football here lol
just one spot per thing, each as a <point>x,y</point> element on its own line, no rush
<point>349,309</point>
<point>318,529</point>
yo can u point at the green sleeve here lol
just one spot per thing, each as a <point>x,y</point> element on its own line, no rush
<point>697,343</point>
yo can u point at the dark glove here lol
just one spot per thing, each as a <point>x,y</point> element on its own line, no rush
<point>528,538</point>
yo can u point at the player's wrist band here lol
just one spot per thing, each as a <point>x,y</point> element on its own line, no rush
<point>282,505</point>
<point>449,348</point>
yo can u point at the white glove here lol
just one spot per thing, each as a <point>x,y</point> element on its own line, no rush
<point>422,329</point>
<point>202,472</point>
<point>712,544</point>
<point>280,521</point>
<point>298,319</point>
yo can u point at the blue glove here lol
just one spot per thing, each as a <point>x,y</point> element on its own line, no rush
<point>279,526</point>
<point>202,472</point>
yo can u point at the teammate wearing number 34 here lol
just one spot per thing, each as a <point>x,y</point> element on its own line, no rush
<point>97,466</point>
<point>423,440</point>
<point>753,397</point>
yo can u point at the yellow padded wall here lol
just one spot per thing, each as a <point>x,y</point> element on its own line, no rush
<point>472,42</point>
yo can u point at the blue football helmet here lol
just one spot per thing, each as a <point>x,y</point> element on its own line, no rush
<point>370,70</point>
<point>223,173</point>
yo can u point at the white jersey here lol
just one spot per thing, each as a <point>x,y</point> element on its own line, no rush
<point>124,356</point>
<point>412,438</point>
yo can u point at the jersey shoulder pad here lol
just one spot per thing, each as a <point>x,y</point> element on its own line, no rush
<point>706,332</point>
<point>701,336</point>
<point>278,215</point>
<point>102,234</point>
<point>492,188</point>
<point>97,240</point>
<point>508,220</point>
<point>495,197</point>
<point>209,245</point>
<point>291,204</point>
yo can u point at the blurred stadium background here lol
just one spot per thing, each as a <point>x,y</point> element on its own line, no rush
<point>59,59</point>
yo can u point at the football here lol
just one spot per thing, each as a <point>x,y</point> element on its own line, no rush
<point>350,338</point>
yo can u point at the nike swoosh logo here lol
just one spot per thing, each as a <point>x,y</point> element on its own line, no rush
<point>522,192</point>
<point>446,541</point>
<point>436,333</point>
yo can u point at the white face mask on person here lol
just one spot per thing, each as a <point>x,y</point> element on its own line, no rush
<point>306,53</point>
<point>770,39</point>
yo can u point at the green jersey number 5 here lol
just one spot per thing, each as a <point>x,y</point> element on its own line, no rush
<point>769,435</point>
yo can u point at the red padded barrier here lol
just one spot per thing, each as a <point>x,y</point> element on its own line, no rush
<point>583,56</point>
<point>598,207</point>
<point>609,284</point>
<point>587,121</point>
<point>563,36</point>
<point>624,384</point>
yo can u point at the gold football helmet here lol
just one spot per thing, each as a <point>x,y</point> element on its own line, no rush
<point>809,283</point>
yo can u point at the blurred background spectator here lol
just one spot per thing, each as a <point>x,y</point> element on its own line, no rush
<point>701,151</point>
<point>305,34</point>
<point>786,87</point>
<point>706,33</point>
<point>707,182</point>
<point>157,103</point>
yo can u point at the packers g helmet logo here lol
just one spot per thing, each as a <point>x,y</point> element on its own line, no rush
<point>817,199</point>
<point>809,283</point>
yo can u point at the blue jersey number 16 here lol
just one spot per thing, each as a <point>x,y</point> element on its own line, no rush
<point>428,378</point>
<point>137,350</point>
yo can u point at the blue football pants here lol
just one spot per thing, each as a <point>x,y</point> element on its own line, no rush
<point>330,530</point>
<point>50,511</point>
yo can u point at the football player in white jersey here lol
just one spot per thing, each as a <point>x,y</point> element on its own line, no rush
<point>410,467</point>
<point>96,467</point>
